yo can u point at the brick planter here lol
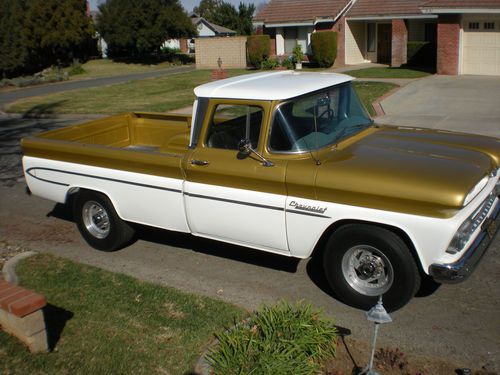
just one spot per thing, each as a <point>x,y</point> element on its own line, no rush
<point>21,315</point>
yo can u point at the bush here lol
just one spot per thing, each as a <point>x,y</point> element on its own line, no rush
<point>288,63</point>
<point>324,48</point>
<point>76,68</point>
<point>421,54</point>
<point>298,55</point>
<point>258,49</point>
<point>280,339</point>
<point>269,64</point>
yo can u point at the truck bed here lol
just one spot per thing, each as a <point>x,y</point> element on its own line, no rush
<point>152,143</point>
<point>145,132</point>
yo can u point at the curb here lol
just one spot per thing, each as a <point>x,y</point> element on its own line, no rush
<point>377,104</point>
<point>9,268</point>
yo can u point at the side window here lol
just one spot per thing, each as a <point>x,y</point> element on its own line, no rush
<point>231,123</point>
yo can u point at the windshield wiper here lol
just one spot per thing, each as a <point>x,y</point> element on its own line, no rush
<point>343,131</point>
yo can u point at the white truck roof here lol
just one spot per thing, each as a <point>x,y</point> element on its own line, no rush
<point>270,85</point>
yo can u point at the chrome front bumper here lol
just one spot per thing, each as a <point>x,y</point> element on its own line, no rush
<point>462,268</point>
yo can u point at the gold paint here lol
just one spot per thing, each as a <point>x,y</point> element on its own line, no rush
<point>421,172</point>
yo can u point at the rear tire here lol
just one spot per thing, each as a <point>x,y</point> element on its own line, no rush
<point>99,223</point>
<point>363,261</point>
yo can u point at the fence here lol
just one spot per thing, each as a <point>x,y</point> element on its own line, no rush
<point>231,50</point>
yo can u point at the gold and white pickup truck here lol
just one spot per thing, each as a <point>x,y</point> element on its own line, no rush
<point>288,163</point>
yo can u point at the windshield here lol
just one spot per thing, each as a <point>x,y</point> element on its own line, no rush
<point>318,120</point>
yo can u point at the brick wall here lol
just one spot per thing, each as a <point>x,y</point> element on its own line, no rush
<point>448,42</point>
<point>339,28</point>
<point>231,50</point>
<point>399,43</point>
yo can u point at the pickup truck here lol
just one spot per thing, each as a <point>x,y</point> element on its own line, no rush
<point>288,163</point>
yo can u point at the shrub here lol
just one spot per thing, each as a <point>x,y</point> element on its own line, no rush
<point>421,53</point>
<point>280,339</point>
<point>257,49</point>
<point>324,48</point>
<point>288,63</point>
<point>271,63</point>
<point>76,68</point>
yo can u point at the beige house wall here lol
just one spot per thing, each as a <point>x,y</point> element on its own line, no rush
<point>355,42</point>
<point>231,50</point>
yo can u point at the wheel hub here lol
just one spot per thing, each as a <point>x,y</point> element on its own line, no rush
<point>96,219</point>
<point>367,270</point>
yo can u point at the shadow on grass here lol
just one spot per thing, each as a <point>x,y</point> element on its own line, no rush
<point>55,321</point>
<point>43,109</point>
<point>198,244</point>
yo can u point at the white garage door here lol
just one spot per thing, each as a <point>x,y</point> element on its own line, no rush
<point>481,45</point>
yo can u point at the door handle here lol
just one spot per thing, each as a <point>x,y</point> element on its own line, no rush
<point>199,162</point>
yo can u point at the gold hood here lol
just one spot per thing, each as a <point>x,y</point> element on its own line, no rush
<point>423,172</point>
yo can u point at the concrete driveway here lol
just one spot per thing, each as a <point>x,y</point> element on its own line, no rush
<point>460,103</point>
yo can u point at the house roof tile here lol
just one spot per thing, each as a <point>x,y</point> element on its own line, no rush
<point>299,10</point>
<point>364,8</point>
<point>461,4</point>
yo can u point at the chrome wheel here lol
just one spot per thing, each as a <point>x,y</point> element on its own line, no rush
<point>95,219</point>
<point>367,270</point>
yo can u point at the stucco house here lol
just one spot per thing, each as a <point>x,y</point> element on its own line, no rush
<point>466,32</point>
<point>205,29</point>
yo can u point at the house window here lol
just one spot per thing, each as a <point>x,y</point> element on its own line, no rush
<point>371,37</point>
<point>489,25</point>
<point>473,25</point>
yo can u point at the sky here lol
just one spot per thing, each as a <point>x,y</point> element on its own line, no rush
<point>187,4</point>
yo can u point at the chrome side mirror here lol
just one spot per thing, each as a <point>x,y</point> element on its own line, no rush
<point>245,149</point>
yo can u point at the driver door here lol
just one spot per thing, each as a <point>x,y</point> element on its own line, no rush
<point>231,197</point>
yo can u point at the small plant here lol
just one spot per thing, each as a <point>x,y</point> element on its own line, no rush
<point>287,63</point>
<point>298,55</point>
<point>393,359</point>
<point>270,63</point>
<point>76,68</point>
<point>280,339</point>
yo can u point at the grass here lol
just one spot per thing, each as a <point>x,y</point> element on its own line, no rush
<point>155,95</point>
<point>114,324</point>
<point>368,92</point>
<point>388,73</point>
<point>107,68</point>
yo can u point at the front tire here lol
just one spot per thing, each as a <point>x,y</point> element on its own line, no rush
<point>98,222</point>
<point>363,261</point>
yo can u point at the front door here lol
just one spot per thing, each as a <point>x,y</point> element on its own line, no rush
<point>230,196</point>
<point>384,41</point>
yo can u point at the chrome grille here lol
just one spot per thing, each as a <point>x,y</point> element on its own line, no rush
<point>482,212</point>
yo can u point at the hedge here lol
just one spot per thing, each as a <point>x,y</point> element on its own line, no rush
<point>324,48</point>
<point>258,49</point>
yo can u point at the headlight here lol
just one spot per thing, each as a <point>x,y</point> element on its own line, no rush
<point>469,226</point>
<point>475,190</point>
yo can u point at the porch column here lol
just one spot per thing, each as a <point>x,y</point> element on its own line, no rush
<point>280,41</point>
<point>399,43</point>
<point>448,43</point>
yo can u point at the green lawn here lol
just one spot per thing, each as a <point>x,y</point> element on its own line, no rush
<point>113,324</point>
<point>387,73</point>
<point>107,68</point>
<point>371,91</point>
<point>155,95</point>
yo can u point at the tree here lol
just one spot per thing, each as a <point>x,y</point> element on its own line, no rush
<point>225,14</point>
<point>12,47</point>
<point>37,33</point>
<point>138,28</point>
<point>206,8</point>
<point>57,30</point>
